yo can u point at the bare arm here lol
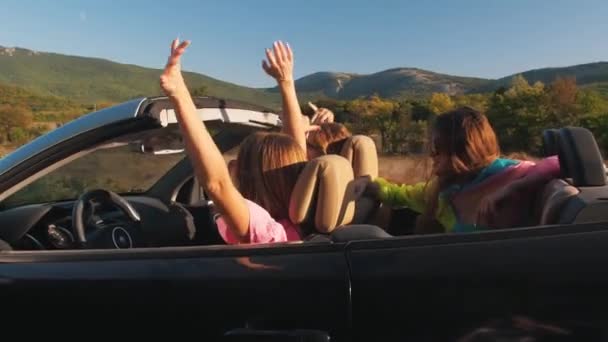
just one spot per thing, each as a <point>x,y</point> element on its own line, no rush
<point>207,160</point>
<point>280,67</point>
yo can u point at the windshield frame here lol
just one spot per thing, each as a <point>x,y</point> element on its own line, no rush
<point>57,168</point>
<point>151,114</point>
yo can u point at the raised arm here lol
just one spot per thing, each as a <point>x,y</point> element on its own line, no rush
<point>207,160</point>
<point>280,67</point>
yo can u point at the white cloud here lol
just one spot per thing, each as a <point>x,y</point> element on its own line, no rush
<point>83,16</point>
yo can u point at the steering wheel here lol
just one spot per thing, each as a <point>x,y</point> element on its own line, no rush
<point>105,235</point>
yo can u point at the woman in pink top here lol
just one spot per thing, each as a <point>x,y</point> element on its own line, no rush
<point>255,209</point>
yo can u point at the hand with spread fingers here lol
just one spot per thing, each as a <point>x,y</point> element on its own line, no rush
<point>279,65</point>
<point>280,62</point>
<point>171,80</point>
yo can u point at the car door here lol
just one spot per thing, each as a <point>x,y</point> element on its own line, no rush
<point>203,291</point>
<point>547,282</point>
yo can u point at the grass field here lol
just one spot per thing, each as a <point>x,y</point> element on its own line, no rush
<point>403,169</point>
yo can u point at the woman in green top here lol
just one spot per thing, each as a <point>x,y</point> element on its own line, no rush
<point>471,187</point>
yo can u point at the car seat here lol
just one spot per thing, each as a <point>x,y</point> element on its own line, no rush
<point>581,194</point>
<point>324,201</point>
<point>361,152</point>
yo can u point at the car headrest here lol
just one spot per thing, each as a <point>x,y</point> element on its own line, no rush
<point>552,199</point>
<point>550,142</point>
<point>324,194</point>
<point>4,246</point>
<point>360,151</point>
<point>580,157</point>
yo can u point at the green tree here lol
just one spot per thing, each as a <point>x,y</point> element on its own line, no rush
<point>519,116</point>
<point>200,91</point>
<point>590,102</point>
<point>563,94</point>
<point>371,106</point>
<point>13,117</point>
<point>440,103</point>
<point>476,101</point>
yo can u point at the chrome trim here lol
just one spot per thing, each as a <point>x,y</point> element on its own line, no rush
<point>166,116</point>
<point>67,232</point>
<point>116,229</point>
<point>179,188</point>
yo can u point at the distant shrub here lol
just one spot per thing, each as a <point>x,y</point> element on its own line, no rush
<point>19,135</point>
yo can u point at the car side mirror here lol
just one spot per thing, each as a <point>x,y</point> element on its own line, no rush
<point>166,142</point>
<point>155,150</point>
<point>250,335</point>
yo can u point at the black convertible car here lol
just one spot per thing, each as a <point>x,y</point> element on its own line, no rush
<point>103,228</point>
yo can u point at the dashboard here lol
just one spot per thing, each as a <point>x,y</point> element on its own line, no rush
<point>50,227</point>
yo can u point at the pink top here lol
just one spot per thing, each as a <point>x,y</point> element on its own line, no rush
<point>262,227</point>
<point>466,203</point>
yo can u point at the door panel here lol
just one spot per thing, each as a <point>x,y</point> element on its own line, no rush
<point>443,289</point>
<point>205,291</point>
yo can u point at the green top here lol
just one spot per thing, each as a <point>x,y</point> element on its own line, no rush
<point>415,196</point>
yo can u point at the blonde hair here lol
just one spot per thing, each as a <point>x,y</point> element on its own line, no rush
<point>328,139</point>
<point>267,168</point>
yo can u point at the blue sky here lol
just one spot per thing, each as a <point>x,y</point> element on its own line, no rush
<point>484,38</point>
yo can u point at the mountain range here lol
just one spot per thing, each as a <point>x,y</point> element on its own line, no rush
<point>92,80</point>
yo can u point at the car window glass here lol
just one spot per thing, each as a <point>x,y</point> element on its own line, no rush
<point>118,169</point>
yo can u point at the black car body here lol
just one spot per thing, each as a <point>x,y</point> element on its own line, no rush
<point>545,281</point>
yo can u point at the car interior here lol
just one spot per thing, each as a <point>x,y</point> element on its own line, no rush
<point>328,201</point>
<point>579,196</point>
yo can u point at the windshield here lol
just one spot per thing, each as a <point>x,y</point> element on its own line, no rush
<point>121,169</point>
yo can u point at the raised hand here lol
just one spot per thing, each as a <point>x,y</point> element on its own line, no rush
<point>280,62</point>
<point>171,80</point>
<point>207,160</point>
<point>322,115</point>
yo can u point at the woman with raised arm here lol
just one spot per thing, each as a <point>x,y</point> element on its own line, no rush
<point>267,166</point>
<point>280,67</point>
<point>314,135</point>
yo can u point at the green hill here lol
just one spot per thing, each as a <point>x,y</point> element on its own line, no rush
<point>45,108</point>
<point>392,83</point>
<point>600,87</point>
<point>88,81</point>
<point>589,75</point>
<point>91,80</point>
<point>411,82</point>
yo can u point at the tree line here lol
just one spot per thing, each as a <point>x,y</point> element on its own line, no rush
<point>519,113</point>
<point>25,115</point>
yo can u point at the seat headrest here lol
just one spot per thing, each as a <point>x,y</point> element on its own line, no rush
<point>580,157</point>
<point>360,151</point>
<point>324,194</point>
<point>552,199</point>
<point>550,142</point>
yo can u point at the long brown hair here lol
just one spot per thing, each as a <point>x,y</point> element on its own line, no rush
<point>328,139</point>
<point>268,166</point>
<point>465,136</point>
